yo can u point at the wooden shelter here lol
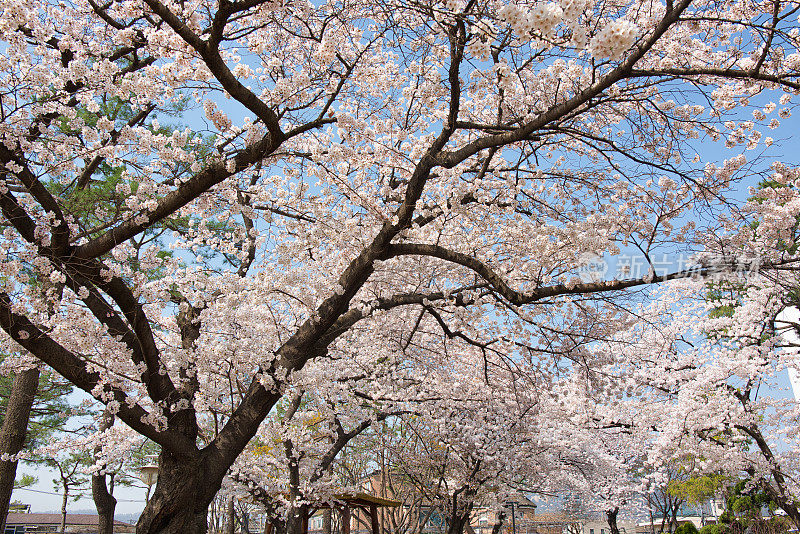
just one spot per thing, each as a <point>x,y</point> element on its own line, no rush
<point>365,502</point>
<point>346,502</point>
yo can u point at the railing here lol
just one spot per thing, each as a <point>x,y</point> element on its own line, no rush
<point>522,527</point>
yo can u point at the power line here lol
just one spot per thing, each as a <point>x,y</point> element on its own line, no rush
<point>60,494</point>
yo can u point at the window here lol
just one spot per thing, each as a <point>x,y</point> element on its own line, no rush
<point>591,531</point>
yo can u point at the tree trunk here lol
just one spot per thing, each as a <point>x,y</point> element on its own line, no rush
<point>295,523</point>
<point>498,527</point>
<point>653,522</point>
<point>326,521</point>
<point>189,479</point>
<point>104,501</point>
<point>105,504</point>
<point>461,511</point>
<point>673,525</point>
<point>13,431</point>
<point>458,523</point>
<point>611,516</point>
<point>462,502</point>
<point>230,517</point>
<point>64,509</point>
<point>296,514</point>
<point>183,492</point>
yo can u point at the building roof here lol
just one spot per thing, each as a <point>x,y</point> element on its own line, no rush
<point>17,518</point>
<point>551,517</point>
<point>521,501</point>
<point>365,499</point>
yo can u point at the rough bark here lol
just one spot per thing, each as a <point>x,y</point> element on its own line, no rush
<point>104,501</point>
<point>345,515</point>
<point>13,432</point>
<point>611,517</point>
<point>188,478</point>
<point>184,490</point>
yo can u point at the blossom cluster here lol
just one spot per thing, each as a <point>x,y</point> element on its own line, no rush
<point>614,39</point>
<point>541,19</point>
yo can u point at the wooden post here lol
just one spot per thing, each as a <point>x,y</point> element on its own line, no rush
<point>373,514</point>
<point>346,519</point>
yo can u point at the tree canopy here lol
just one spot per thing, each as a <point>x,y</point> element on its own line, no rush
<point>387,205</point>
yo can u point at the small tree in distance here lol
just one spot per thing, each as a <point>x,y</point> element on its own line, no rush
<point>72,480</point>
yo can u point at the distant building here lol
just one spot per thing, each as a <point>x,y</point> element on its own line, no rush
<point>600,526</point>
<point>524,521</point>
<point>24,523</point>
<point>705,513</point>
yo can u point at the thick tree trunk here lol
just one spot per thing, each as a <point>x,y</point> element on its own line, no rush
<point>611,516</point>
<point>13,431</point>
<point>277,526</point>
<point>104,501</point>
<point>183,492</point>
<point>188,478</point>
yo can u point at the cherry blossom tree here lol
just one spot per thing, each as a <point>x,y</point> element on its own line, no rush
<point>383,175</point>
<point>703,367</point>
